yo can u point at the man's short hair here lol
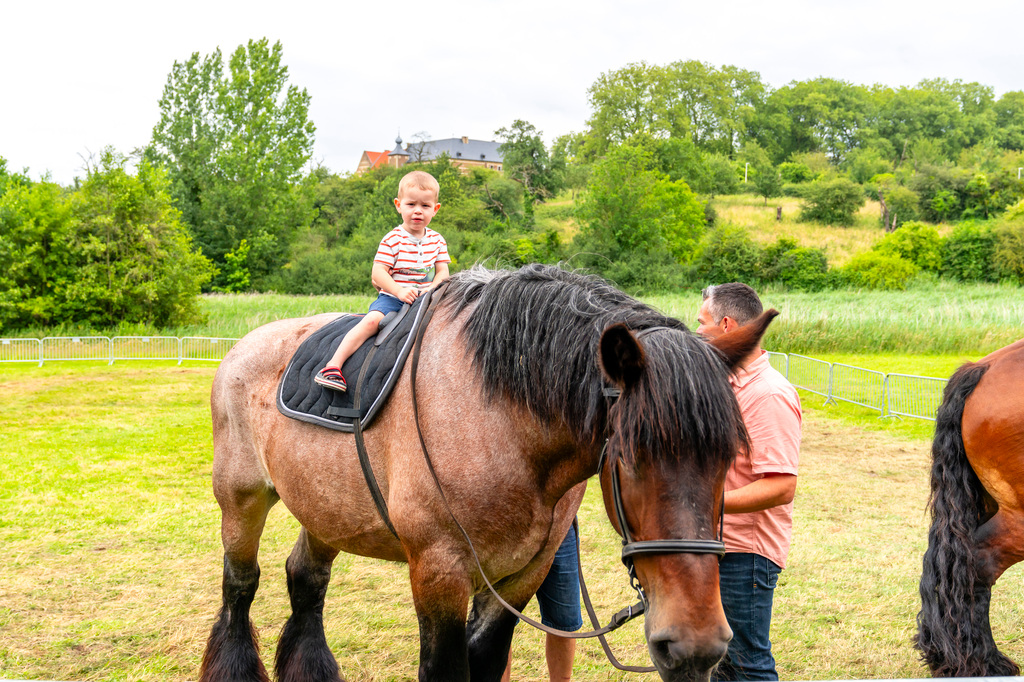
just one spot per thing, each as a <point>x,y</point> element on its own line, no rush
<point>735,300</point>
<point>421,179</point>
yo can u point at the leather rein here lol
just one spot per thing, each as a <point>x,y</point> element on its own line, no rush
<point>630,547</point>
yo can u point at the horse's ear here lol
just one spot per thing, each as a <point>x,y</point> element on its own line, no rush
<point>621,357</point>
<point>738,344</point>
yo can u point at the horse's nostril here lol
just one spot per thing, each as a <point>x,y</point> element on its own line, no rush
<point>672,651</point>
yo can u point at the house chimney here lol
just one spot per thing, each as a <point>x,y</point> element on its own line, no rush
<point>465,140</point>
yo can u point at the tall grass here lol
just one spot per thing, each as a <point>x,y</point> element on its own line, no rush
<point>935,316</point>
<point>840,243</point>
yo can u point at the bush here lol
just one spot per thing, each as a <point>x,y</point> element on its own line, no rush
<point>916,242</point>
<point>727,254</point>
<point>794,266</point>
<point>795,173</point>
<point>967,253</point>
<point>873,270</point>
<point>902,204</point>
<point>833,202</point>
<point>1008,256</point>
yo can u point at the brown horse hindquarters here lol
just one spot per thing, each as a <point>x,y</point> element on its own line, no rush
<point>993,434</point>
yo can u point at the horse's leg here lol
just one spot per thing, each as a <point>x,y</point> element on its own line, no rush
<point>302,652</point>
<point>441,592</point>
<point>489,637</point>
<point>231,652</point>
<point>1000,544</point>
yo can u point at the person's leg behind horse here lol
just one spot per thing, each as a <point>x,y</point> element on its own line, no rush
<point>748,587</point>
<point>559,600</point>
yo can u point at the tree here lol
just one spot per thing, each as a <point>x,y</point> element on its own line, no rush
<point>112,251</point>
<point>235,146</point>
<point>526,160</point>
<point>630,207</point>
<point>833,202</point>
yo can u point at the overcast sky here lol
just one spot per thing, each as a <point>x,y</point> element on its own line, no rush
<point>79,76</point>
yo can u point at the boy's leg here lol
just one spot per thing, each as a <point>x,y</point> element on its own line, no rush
<point>356,337</point>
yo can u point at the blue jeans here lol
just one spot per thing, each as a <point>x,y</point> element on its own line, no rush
<point>748,587</point>
<point>559,595</point>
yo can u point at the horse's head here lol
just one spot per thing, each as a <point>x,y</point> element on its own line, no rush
<point>674,432</point>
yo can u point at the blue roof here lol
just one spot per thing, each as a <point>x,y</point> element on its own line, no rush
<point>471,150</point>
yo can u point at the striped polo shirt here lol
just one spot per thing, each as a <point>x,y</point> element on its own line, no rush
<point>410,261</point>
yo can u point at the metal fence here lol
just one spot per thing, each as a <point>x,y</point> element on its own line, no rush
<point>892,395</point>
<point>110,350</point>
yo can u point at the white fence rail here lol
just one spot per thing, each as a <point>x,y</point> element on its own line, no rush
<point>109,350</point>
<point>892,395</point>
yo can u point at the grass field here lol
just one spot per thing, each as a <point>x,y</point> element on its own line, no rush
<point>112,556</point>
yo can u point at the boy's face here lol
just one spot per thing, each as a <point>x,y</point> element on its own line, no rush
<point>417,207</point>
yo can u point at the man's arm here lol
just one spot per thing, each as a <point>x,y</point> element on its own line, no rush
<point>771,491</point>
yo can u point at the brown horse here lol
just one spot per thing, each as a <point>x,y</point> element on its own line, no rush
<point>512,403</point>
<point>977,506</point>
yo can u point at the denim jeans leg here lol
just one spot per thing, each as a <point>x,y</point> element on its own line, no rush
<point>748,588</point>
<point>559,595</point>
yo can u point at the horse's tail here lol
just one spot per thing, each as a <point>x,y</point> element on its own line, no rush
<point>950,637</point>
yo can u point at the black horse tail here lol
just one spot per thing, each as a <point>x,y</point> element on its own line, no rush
<point>953,633</point>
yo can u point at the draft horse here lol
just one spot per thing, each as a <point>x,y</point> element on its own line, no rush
<point>977,509</point>
<point>512,404</point>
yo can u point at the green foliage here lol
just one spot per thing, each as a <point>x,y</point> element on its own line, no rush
<point>236,270</point>
<point>796,267</point>
<point>631,207</point>
<point>112,251</point>
<point>833,202</point>
<point>795,173</point>
<point>916,242</point>
<point>902,205</point>
<point>874,270</point>
<point>727,254</point>
<point>235,145</point>
<point>967,253</point>
<point>1008,257</point>
<point>526,160</point>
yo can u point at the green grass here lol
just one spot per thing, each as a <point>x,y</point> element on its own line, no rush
<point>112,555</point>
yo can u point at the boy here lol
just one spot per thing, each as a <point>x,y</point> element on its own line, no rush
<point>401,268</point>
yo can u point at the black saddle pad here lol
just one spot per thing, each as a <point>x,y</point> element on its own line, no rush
<point>300,398</point>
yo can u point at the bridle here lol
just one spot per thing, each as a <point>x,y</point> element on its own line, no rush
<point>631,547</point>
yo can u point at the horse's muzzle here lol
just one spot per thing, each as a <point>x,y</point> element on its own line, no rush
<point>681,657</point>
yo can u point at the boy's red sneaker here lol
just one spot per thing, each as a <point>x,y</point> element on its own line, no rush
<point>330,377</point>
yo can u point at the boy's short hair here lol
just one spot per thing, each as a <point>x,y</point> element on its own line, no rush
<point>735,300</point>
<point>421,179</point>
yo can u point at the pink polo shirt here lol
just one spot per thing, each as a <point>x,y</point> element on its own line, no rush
<point>771,410</point>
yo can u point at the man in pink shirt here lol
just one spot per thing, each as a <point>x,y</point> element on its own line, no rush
<point>759,490</point>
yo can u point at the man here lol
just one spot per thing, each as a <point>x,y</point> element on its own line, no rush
<point>559,600</point>
<point>759,489</point>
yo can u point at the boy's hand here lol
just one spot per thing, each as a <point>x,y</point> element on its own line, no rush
<point>409,295</point>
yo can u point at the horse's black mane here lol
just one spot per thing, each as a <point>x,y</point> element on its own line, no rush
<point>534,335</point>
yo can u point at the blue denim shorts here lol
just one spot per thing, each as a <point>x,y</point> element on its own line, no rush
<point>559,594</point>
<point>386,304</point>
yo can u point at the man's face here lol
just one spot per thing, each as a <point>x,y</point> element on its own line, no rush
<point>706,326</point>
